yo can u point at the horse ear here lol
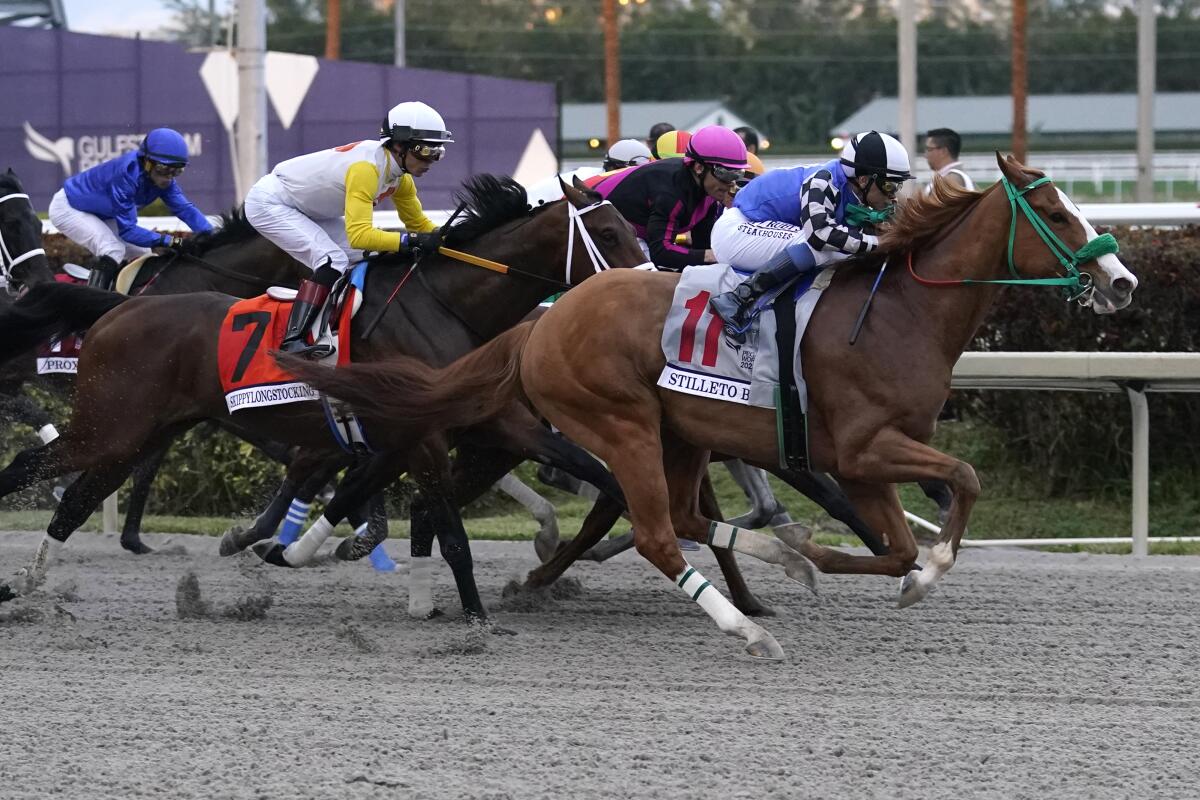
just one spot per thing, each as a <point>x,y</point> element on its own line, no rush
<point>1012,169</point>
<point>578,194</point>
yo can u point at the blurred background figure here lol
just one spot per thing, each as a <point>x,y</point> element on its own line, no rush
<point>657,130</point>
<point>942,146</point>
<point>750,137</point>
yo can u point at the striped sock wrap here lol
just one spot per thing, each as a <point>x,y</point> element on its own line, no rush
<point>692,582</point>
<point>722,534</point>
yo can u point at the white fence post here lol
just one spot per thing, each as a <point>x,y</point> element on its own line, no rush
<point>1141,471</point>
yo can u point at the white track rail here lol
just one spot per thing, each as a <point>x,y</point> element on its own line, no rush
<point>1135,374</point>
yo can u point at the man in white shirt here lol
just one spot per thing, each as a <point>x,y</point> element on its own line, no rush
<point>942,146</point>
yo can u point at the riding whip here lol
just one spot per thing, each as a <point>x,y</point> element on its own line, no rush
<point>862,315</point>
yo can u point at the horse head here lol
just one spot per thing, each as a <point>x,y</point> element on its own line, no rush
<point>597,236</point>
<point>1057,240</point>
<point>22,258</point>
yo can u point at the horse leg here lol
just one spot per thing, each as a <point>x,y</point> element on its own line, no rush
<point>764,508</point>
<point>940,493</point>
<point>825,492</point>
<point>739,592</point>
<point>371,528</point>
<point>599,521</point>
<point>546,541</point>
<point>356,487</point>
<point>627,437</point>
<point>306,475</point>
<point>143,478</point>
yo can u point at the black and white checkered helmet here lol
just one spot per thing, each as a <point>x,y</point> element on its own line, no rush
<point>874,153</point>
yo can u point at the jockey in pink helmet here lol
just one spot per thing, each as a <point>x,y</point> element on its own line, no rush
<point>667,198</point>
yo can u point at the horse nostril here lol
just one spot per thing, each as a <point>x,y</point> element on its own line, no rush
<point>1123,285</point>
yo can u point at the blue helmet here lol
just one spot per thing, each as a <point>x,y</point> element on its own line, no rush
<point>164,145</point>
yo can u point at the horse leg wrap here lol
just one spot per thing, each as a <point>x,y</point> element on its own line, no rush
<point>293,523</point>
<point>301,552</point>
<point>695,586</point>
<point>420,586</point>
<point>379,557</point>
<point>47,433</point>
<point>722,534</point>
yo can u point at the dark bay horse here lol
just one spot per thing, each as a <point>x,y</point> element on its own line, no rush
<point>872,406</point>
<point>133,395</point>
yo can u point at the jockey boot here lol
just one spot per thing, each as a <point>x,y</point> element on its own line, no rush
<point>310,299</point>
<point>736,308</point>
<point>104,272</point>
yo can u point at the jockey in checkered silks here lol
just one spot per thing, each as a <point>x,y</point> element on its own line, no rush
<point>98,208</point>
<point>791,221</point>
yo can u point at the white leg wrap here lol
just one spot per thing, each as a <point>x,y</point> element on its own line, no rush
<point>420,587</point>
<point>302,550</point>
<point>48,433</point>
<point>722,534</point>
<point>728,618</point>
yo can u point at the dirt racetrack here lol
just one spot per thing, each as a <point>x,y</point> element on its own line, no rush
<point>1026,675</point>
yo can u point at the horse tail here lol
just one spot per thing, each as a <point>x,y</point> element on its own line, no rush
<point>420,397</point>
<point>48,310</point>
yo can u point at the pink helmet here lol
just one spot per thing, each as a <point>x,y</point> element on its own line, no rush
<point>717,146</point>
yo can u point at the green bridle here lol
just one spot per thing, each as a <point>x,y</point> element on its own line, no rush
<point>1075,284</point>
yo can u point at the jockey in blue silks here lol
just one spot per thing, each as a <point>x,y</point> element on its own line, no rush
<point>98,208</point>
<point>790,221</point>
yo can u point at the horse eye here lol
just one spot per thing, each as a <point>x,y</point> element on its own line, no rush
<point>1058,218</point>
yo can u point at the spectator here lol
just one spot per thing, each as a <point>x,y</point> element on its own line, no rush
<point>942,147</point>
<point>750,137</point>
<point>657,130</point>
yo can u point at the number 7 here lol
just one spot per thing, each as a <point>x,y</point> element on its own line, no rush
<point>260,320</point>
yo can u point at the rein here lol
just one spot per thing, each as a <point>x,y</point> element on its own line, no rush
<point>1076,285</point>
<point>225,272</point>
<point>574,223</point>
<point>7,259</point>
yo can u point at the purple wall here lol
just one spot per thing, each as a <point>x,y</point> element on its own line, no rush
<point>93,97</point>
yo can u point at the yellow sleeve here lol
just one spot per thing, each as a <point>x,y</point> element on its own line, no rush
<point>408,206</point>
<point>362,181</point>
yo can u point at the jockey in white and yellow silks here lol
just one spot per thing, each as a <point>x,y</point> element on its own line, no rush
<point>319,207</point>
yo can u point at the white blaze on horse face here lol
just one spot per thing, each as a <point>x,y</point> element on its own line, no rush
<point>1111,265</point>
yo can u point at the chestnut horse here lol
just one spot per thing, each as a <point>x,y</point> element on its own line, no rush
<point>872,406</point>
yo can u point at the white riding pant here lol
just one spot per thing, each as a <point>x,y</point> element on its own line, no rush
<point>98,236</point>
<point>751,245</point>
<point>273,213</point>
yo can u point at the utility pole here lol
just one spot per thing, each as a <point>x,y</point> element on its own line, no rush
<point>1146,53</point>
<point>212,23</point>
<point>333,29</point>
<point>612,71</point>
<point>907,63</point>
<point>1020,81</point>
<point>398,15</point>
<point>252,94</point>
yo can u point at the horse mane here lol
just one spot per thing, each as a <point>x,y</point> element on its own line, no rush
<point>921,218</point>
<point>488,202</point>
<point>234,227</point>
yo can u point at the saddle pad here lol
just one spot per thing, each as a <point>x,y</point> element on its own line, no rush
<point>253,328</point>
<point>250,377</point>
<point>62,355</point>
<point>703,361</point>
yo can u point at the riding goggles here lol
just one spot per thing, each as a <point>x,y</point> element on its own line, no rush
<point>889,186</point>
<point>725,174</point>
<point>426,151</point>
<point>167,170</point>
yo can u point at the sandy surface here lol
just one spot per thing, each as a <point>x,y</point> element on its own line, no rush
<point>1025,675</point>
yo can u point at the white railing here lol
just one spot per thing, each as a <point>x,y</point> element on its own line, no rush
<point>1135,374</point>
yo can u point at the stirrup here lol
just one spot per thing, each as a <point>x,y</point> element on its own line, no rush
<point>313,352</point>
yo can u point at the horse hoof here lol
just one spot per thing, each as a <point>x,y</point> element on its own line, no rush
<point>6,593</point>
<point>272,553</point>
<point>346,550</point>
<point>426,615</point>
<point>765,649</point>
<point>801,570</point>
<point>751,606</point>
<point>912,589</point>
<point>545,548</point>
<point>228,545</point>
<point>136,547</point>
<point>794,534</point>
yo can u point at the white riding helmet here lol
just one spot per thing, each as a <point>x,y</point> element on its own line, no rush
<point>874,153</point>
<point>628,153</point>
<point>415,122</point>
